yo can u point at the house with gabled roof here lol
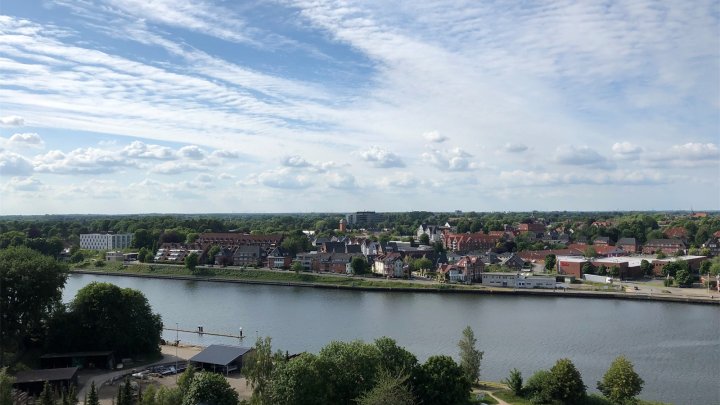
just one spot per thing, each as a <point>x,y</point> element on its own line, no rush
<point>389,265</point>
<point>629,245</point>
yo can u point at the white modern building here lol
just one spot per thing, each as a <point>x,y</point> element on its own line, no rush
<point>105,241</point>
<point>517,280</point>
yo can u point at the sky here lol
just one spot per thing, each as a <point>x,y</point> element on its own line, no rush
<point>200,106</point>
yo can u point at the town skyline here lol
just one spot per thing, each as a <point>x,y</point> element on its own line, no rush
<point>126,107</point>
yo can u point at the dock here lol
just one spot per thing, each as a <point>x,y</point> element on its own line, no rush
<point>200,331</point>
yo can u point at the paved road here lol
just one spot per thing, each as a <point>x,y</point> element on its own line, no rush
<point>100,379</point>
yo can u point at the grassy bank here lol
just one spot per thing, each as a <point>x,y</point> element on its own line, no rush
<point>258,275</point>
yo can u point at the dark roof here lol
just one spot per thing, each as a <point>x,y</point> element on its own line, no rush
<point>626,241</point>
<point>49,374</point>
<point>76,354</point>
<point>221,355</point>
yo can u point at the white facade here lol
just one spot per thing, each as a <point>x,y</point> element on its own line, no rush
<point>516,280</point>
<point>105,241</point>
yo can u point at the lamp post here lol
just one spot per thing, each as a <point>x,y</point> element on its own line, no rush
<point>177,343</point>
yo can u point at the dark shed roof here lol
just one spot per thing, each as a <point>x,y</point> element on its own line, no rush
<point>76,354</point>
<point>221,355</point>
<point>50,374</point>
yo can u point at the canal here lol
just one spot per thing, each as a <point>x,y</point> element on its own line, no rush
<point>675,347</point>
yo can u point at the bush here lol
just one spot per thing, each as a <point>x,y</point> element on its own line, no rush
<point>515,382</point>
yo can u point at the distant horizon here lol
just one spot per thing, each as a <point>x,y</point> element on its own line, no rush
<point>712,212</point>
<point>126,106</point>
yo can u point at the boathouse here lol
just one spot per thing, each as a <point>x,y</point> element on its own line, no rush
<point>32,381</point>
<point>221,358</point>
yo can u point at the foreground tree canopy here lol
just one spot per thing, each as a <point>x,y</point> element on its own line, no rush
<point>355,372</point>
<point>104,316</point>
<point>30,288</point>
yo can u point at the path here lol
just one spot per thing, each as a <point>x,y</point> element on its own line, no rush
<point>100,379</point>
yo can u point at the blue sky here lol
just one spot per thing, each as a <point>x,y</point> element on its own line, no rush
<point>130,106</point>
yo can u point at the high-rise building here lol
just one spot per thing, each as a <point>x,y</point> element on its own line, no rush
<point>363,218</point>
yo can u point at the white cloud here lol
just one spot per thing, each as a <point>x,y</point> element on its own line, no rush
<point>178,166</point>
<point>12,121</point>
<point>81,161</point>
<point>28,184</point>
<point>695,151</point>
<point>435,137</point>
<point>294,161</point>
<point>546,179</point>
<point>453,160</point>
<point>284,178</point>
<point>225,154</point>
<point>341,180</point>
<point>626,150</point>
<point>515,147</point>
<point>580,156</point>
<point>192,152</point>
<point>380,157</point>
<point>141,150</point>
<point>24,140</point>
<point>12,164</point>
<point>399,181</point>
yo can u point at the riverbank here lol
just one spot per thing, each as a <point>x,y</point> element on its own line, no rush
<point>310,280</point>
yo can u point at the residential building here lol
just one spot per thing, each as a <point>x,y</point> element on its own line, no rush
<point>247,255</point>
<point>667,246</point>
<point>534,227</point>
<point>389,265</point>
<point>434,232</point>
<point>601,240</point>
<point>114,256</point>
<point>105,241</point>
<point>278,258</point>
<point>627,244</point>
<point>310,261</point>
<point>512,261</point>
<point>465,242</point>
<point>713,244</point>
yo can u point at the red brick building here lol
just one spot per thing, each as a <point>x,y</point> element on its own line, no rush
<point>465,242</point>
<point>667,246</point>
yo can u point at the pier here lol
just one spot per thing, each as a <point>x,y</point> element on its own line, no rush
<point>200,331</point>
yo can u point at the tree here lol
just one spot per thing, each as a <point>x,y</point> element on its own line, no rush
<point>46,396</point>
<point>646,267</point>
<point>614,271</point>
<point>210,388</point>
<point>590,252</point>
<point>77,257</point>
<point>388,389</point>
<point>142,255</point>
<point>125,394</point>
<point>191,262</point>
<point>214,250</point>
<point>258,370</point>
<point>470,356</point>
<point>395,359</point>
<point>566,383</point>
<point>539,387</point>
<point>297,267</point>
<point>683,278</point>
<point>348,369</point>
<point>515,382</point>
<point>186,378</point>
<point>102,316</point>
<point>442,382</point>
<point>6,382</point>
<point>30,287</point>
<point>424,239</point>
<point>588,268</point>
<point>92,398</point>
<point>296,382</point>
<point>661,255</point>
<point>359,265</point>
<point>550,261</point>
<point>621,384</point>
